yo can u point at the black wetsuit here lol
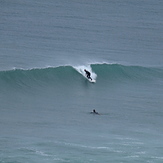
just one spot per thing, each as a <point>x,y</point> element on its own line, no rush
<point>94,112</point>
<point>88,74</point>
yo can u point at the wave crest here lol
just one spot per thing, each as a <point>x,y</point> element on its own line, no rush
<point>70,74</point>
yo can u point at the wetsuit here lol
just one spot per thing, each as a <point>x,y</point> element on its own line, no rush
<point>88,74</point>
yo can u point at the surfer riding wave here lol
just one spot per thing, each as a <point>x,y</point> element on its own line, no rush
<point>88,74</point>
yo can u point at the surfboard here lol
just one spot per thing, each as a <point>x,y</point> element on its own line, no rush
<point>92,81</point>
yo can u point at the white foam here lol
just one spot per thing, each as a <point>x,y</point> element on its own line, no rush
<point>81,69</point>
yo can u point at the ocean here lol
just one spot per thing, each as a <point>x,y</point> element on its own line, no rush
<point>46,100</point>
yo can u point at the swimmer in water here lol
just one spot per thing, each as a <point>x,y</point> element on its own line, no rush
<point>94,112</point>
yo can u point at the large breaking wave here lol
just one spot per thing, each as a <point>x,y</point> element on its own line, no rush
<point>69,74</point>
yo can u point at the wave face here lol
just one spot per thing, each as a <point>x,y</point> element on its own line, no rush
<point>69,74</point>
<point>123,72</point>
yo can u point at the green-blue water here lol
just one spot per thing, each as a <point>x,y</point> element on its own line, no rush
<point>45,101</point>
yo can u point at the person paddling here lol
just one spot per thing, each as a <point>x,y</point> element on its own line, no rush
<point>94,112</point>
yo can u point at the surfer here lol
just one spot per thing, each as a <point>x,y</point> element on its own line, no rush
<point>94,112</point>
<point>88,74</point>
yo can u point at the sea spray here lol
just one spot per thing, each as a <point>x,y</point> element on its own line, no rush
<point>81,69</point>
